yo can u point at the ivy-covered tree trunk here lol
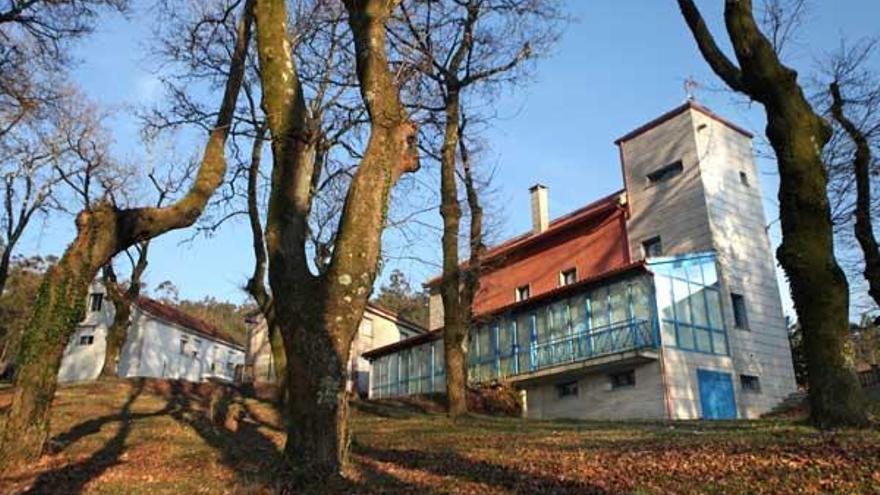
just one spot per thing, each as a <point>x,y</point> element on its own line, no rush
<point>102,232</point>
<point>864,227</point>
<point>797,134</point>
<point>318,315</point>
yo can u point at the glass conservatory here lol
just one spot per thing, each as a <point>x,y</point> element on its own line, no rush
<point>675,299</point>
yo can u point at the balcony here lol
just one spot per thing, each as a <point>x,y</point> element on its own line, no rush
<point>619,343</point>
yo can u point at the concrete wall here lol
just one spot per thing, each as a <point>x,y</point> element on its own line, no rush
<point>738,224</point>
<point>597,400</point>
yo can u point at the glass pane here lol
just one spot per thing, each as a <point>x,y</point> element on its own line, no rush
<point>541,314</point>
<point>698,305</point>
<point>506,336</point>
<point>710,275</point>
<point>599,308</point>
<point>578,311</point>
<point>485,343</point>
<point>703,340</point>
<point>619,300</point>
<point>668,333</point>
<point>694,273</point>
<point>681,294</point>
<point>720,343</point>
<point>558,324</point>
<point>715,319</point>
<point>685,337</point>
<point>641,298</point>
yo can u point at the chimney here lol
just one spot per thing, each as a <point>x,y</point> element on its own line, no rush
<point>540,212</point>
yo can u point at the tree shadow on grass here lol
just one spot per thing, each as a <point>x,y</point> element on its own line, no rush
<point>509,478</point>
<point>73,477</point>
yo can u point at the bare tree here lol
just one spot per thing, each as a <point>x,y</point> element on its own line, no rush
<point>103,230</point>
<point>318,314</point>
<point>798,135</point>
<point>460,50</point>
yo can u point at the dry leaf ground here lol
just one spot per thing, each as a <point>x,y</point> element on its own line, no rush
<point>115,437</point>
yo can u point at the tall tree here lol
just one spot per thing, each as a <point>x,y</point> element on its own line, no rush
<point>122,297</point>
<point>318,315</point>
<point>103,230</point>
<point>797,134</point>
<point>464,49</point>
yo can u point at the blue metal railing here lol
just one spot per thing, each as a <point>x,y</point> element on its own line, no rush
<point>581,346</point>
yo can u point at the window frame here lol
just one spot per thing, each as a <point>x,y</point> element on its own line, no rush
<point>87,339</point>
<point>650,242</point>
<point>754,383</point>
<point>740,311</point>
<point>523,289</point>
<point>563,276</point>
<point>617,384</point>
<point>665,173</point>
<point>744,178</point>
<point>96,302</point>
<point>567,390</point>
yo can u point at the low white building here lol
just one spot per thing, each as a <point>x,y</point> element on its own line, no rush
<point>161,342</point>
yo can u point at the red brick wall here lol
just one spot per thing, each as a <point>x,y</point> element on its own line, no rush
<point>592,246</point>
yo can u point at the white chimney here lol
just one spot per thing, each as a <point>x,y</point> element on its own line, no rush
<point>540,211</point>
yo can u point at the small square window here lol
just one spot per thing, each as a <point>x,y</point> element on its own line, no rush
<point>744,178</point>
<point>652,247</point>
<point>740,315</point>
<point>623,379</point>
<point>665,173</point>
<point>183,346</point>
<point>86,339</point>
<point>750,383</point>
<point>523,293</point>
<point>567,389</point>
<point>568,277</point>
<point>95,302</point>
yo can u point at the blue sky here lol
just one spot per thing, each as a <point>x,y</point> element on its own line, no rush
<point>620,64</point>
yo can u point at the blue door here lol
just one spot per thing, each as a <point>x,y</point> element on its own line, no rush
<point>716,395</point>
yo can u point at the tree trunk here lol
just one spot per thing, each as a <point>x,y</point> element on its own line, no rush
<point>797,134</point>
<point>455,327</point>
<point>102,232</point>
<point>59,308</point>
<point>5,259</point>
<point>116,337</point>
<point>864,228</point>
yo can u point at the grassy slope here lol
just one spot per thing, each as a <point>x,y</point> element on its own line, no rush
<point>112,438</point>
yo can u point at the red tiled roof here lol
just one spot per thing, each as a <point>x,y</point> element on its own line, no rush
<point>173,315</point>
<point>553,294</point>
<point>572,218</point>
<point>675,111</point>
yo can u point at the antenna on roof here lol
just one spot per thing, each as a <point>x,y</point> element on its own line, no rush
<point>690,85</point>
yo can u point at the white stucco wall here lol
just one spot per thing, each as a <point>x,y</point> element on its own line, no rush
<point>151,349</point>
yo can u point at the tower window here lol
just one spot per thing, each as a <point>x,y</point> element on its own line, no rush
<point>750,383</point>
<point>665,173</point>
<point>86,339</point>
<point>744,178</point>
<point>523,293</point>
<point>95,302</point>
<point>740,316</point>
<point>652,247</point>
<point>568,277</point>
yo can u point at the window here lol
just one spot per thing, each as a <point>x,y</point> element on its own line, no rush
<point>568,277</point>
<point>95,302</point>
<point>567,389</point>
<point>183,344</point>
<point>750,383</point>
<point>623,379</point>
<point>86,339</point>
<point>522,293</point>
<point>665,173</point>
<point>197,344</point>
<point>744,178</point>
<point>652,247</point>
<point>740,316</point>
